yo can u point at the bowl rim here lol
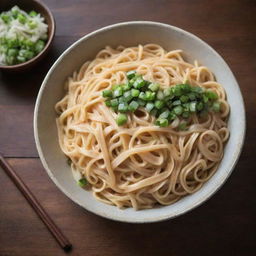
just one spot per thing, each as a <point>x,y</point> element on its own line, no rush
<point>49,41</point>
<point>169,215</point>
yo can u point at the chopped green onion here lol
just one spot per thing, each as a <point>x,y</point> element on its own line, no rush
<point>141,102</point>
<point>115,86</point>
<point>131,82</point>
<point>82,182</point>
<point>108,103</point>
<point>32,13</point>
<point>114,102</point>
<point>176,103</point>
<point>165,114</point>
<point>177,91</point>
<point>10,60</point>
<point>160,95</point>
<point>184,98</point>
<point>196,89</point>
<point>162,122</point>
<point>172,116</point>
<point>131,74</point>
<point>26,53</point>
<point>211,95</point>
<point>150,106</point>
<point>167,92</point>
<point>216,106</point>
<point>192,96</point>
<point>133,106</point>
<point>123,107</point>
<point>32,24</point>
<point>128,96</point>
<point>150,95</point>
<point>200,106</point>
<point>107,93</point>
<point>5,17</point>
<point>192,106</point>
<point>39,46</point>
<point>185,88</point>
<point>159,104</point>
<point>126,87</point>
<point>153,87</point>
<point>121,119</point>
<point>135,93</point>
<point>186,106</point>
<point>21,59</point>
<point>178,110</point>
<point>142,96</point>
<point>205,98</point>
<point>139,83</point>
<point>21,18</point>
<point>118,92</point>
<point>179,100</point>
<point>12,52</point>
<point>168,104</point>
<point>121,99</point>
<point>14,12</point>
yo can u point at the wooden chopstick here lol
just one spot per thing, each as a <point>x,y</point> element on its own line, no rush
<point>61,239</point>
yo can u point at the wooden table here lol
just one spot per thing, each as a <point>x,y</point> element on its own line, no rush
<point>225,225</point>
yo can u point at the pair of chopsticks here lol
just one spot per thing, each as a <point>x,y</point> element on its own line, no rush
<point>61,239</point>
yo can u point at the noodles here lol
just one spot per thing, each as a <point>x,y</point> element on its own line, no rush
<point>139,164</point>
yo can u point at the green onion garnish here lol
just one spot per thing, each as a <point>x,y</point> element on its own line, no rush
<point>153,87</point>
<point>160,95</point>
<point>123,107</point>
<point>114,102</point>
<point>135,93</point>
<point>192,106</point>
<point>118,92</point>
<point>178,110</point>
<point>131,74</point>
<point>139,83</point>
<point>107,93</point>
<point>159,104</point>
<point>121,119</point>
<point>165,114</point>
<point>162,122</point>
<point>82,182</point>
<point>179,101</point>
<point>216,107</point>
<point>133,106</point>
<point>128,96</point>
<point>149,106</point>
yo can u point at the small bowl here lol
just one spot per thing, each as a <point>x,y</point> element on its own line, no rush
<point>29,5</point>
<point>52,90</point>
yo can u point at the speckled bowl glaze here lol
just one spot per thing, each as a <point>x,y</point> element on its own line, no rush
<point>132,34</point>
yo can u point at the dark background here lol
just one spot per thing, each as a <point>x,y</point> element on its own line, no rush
<point>225,225</point>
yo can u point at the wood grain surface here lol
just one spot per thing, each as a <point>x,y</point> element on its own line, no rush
<point>225,225</point>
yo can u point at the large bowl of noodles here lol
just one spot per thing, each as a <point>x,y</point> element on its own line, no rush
<point>138,172</point>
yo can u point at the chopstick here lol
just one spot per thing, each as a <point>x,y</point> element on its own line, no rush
<point>60,238</point>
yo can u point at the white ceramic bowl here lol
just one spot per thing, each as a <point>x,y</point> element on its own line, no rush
<point>132,34</point>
